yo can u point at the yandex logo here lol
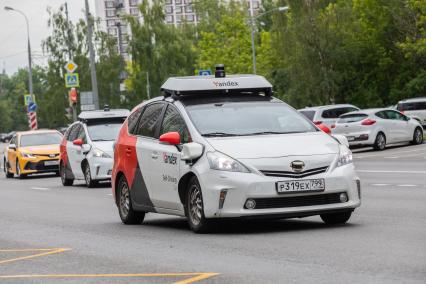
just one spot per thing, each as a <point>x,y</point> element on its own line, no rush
<point>226,84</point>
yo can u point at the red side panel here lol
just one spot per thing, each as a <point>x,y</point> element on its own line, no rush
<point>125,158</point>
<point>63,150</point>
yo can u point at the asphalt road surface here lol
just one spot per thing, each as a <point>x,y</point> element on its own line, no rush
<point>52,234</point>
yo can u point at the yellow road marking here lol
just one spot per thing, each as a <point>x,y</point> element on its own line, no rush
<point>195,277</point>
<point>43,252</point>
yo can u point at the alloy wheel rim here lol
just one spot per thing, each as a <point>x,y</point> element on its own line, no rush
<point>124,200</point>
<point>18,170</point>
<point>418,136</point>
<point>195,205</point>
<point>62,174</point>
<point>381,142</point>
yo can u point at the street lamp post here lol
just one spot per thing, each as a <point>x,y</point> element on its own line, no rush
<point>253,28</point>
<point>30,72</point>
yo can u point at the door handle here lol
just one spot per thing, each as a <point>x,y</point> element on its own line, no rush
<point>128,151</point>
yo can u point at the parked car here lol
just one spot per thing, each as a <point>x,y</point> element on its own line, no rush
<point>378,128</point>
<point>8,137</point>
<point>328,114</point>
<point>2,136</point>
<point>223,147</point>
<point>31,152</point>
<point>87,146</point>
<point>415,108</point>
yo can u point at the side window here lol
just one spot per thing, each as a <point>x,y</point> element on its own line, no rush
<point>149,120</point>
<point>82,134</point>
<point>381,114</point>
<point>13,140</point>
<point>133,121</point>
<point>173,122</point>
<point>394,115</point>
<point>74,132</point>
<point>67,133</point>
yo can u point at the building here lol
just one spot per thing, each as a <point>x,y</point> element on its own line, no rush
<point>176,11</point>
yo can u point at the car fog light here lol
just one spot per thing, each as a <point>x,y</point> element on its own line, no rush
<point>343,197</point>
<point>250,204</point>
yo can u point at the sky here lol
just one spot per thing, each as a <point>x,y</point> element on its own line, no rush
<point>13,34</point>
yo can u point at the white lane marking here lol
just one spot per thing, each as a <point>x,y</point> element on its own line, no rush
<point>110,194</point>
<point>395,157</point>
<point>391,172</point>
<point>392,153</point>
<point>406,185</point>
<point>40,188</point>
<point>380,184</point>
<point>398,185</point>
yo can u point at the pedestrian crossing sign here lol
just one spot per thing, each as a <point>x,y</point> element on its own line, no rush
<point>72,80</point>
<point>29,99</point>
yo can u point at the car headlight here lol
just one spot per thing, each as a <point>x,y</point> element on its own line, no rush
<point>28,155</point>
<point>222,162</point>
<point>100,154</point>
<point>345,156</point>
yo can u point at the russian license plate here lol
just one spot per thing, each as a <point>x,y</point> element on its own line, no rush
<point>51,163</point>
<point>301,185</point>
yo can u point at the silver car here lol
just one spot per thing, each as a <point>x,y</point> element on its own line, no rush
<point>328,114</point>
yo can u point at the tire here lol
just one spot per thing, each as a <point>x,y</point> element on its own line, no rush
<point>90,183</point>
<point>380,142</point>
<point>18,171</point>
<point>195,208</point>
<point>336,218</point>
<point>125,209</point>
<point>6,170</point>
<point>63,174</point>
<point>417,136</point>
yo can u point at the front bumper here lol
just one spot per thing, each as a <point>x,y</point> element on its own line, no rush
<point>39,165</point>
<point>101,168</point>
<point>243,186</point>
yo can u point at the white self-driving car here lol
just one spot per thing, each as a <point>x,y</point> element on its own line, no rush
<point>378,128</point>
<point>87,147</point>
<point>222,147</point>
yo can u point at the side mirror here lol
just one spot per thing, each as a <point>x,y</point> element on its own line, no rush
<point>86,148</point>
<point>192,151</point>
<point>342,139</point>
<point>12,147</point>
<point>78,142</point>
<point>172,138</point>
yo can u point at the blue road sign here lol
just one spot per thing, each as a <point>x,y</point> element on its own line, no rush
<point>72,80</point>
<point>32,107</point>
<point>207,72</point>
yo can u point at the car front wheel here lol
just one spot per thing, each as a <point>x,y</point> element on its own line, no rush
<point>125,209</point>
<point>18,171</point>
<point>6,170</point>
<point>336,218</point>
<point>88,177</point>
<point>63,173</point>
<point>417,136</point>
<point>195,209</point>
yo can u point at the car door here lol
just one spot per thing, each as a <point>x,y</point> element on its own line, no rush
<point>148,155</point>
<point>166,169</point>
<point>75,152</point>
<point>399,126</point>
<point>11,153</point>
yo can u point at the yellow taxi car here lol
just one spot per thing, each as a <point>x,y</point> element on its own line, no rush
<point>32,152</point>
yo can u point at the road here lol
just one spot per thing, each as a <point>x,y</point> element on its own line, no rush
<point>52,234</point>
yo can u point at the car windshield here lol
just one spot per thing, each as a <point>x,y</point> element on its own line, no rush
<point>104,132</point>
<point>248,118</point>
<point>352,117</point>
<point>40,139</point>
<point>308,113</point>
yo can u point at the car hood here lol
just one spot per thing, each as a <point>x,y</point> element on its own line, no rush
<point>105,146</point>
<point>41,149</point>
<point>273,146</point>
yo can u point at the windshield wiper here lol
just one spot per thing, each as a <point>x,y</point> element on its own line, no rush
<point>219,134</point>
<point>272,132</point>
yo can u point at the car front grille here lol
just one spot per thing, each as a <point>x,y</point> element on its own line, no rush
<point>40,167</point>
<point>297,201</point>
<point>289,174</point>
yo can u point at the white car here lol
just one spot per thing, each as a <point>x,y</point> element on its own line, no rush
<point>415,108</point>
<point>87,147</point>
<point>328,114</point>
<point>378,127</point>
<point>223,147</point>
